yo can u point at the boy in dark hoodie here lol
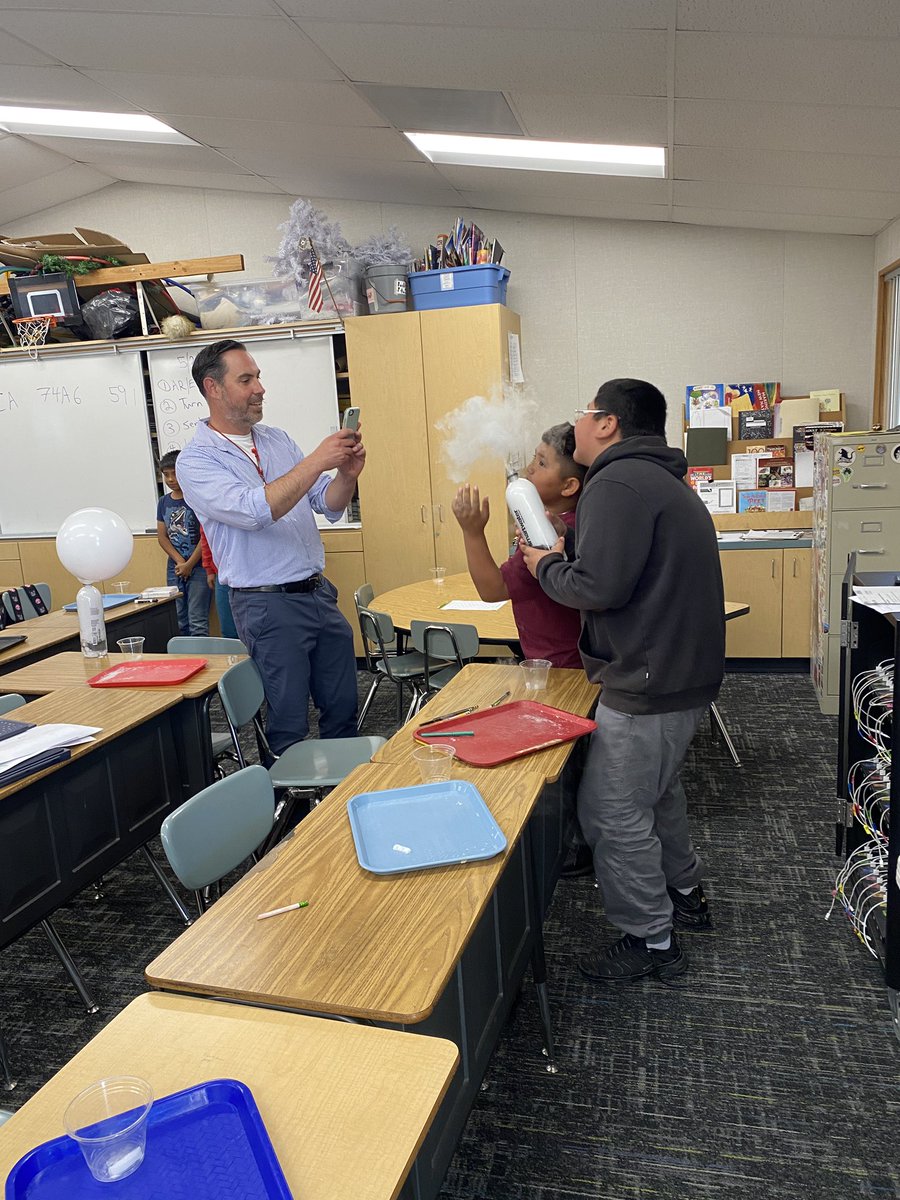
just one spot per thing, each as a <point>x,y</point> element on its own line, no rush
<point>643,568</point>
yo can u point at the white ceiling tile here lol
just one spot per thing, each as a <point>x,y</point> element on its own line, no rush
<point>413,183</point>
<point>498,14</point>
<point>16,53</point>
<point>620,120</point>
<point>739,219</point>
<point>72,181</point>
<point>552,206</point>
<point>105,154</point>
<point>798,169</point>
<point>760,196</point>
<point>797,70</point>
<point>21,161</point>
<point>502,185</point>
<point>824,18</point>
<point>271,48</point>
<point>228,96</point>
<point>235,8</point>
<point>294,143</point>
<point>144,173</point>
<point>628,63</point>
<point>60,87</point>
<point>445,110</point>
<point>762,125</point>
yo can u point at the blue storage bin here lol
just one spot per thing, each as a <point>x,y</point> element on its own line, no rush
<point>456,287</point>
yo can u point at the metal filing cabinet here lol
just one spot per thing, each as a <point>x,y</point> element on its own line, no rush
<point>856,495</point>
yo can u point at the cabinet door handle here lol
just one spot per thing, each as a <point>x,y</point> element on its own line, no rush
<point>773,568</point>
<point>424,514</point>
<point>880,550</point>
<point>441,513</point>
<point>794,568</point>
<point>865,487</point>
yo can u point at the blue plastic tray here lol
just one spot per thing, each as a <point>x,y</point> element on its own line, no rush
<point>430,825</point>
<point>205,1143</point>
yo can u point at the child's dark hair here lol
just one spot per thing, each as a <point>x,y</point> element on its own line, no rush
<point>562,439</point>
<point>167,462</point>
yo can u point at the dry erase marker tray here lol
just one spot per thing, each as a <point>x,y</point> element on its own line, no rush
<point>153,672</point>
<point>507,732</point>
<point>205,1143</point>
<point>429,825</point>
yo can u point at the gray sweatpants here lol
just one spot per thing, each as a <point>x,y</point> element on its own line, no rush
<point>633,812</point>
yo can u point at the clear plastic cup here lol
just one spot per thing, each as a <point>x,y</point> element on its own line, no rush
<point>122,586</point>
<point>535,671</point>
<point>437,575</point>
<point>132,647</point>
<point>434,762</point>
<point>108,1120</point>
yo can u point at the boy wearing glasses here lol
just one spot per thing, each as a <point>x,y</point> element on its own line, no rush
<point>643,568</point>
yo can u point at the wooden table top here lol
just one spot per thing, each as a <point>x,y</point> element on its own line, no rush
<point>422,602</point>
<point>114,710</point>
<point>480,684</point>
<point>368,946</point>
<point>346,1106</point>
<point>72,669</point>
<point>58,626</point>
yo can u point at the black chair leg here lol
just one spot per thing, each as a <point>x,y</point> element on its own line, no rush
<point>71,969</point>
<point>8,1082</point>
<point>167,887</point>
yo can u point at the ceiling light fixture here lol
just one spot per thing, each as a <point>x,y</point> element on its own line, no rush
<point>527,154</point>
<point>107,126</point>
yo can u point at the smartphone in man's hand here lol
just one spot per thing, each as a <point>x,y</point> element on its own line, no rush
<point>351,419</point>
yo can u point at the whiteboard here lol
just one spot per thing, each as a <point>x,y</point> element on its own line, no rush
<point>297,373</point>
<point>74,434</point>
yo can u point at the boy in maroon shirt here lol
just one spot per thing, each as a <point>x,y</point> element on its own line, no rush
<point>546,629</point>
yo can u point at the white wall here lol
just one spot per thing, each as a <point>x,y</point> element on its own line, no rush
<point>675,304</point>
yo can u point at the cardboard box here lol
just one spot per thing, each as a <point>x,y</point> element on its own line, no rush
<point>90,243</point>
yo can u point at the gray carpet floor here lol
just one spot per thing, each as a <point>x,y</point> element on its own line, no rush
<point>769,1071</point>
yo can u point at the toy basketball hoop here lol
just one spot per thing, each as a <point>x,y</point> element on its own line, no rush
<point>32,331</point>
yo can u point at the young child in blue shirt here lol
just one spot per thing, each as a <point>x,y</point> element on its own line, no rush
<point>178,532</point>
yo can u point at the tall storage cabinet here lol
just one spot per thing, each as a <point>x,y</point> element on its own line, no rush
<point>856,491</point>
<point>407,371</point>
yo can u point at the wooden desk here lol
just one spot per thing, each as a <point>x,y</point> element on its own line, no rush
<point>65,826</point>
<point>73,670</point>
<point>58,631</point>
<point>441,951</point>
<point>480,684</point>
<point>422,602</point>
<point>346,1106</point>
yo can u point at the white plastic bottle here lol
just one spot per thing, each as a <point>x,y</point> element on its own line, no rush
<point>527,509</point>
<point>89,605</point>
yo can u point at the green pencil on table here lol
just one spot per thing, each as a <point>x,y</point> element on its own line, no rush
<point>447,733</point>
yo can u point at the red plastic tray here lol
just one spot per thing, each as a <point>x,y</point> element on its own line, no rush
<point>155,672</point>
<point>507,732</point>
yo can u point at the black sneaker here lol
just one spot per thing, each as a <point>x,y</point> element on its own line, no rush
<point>631,958</point>
<point>579,861</point>
<point>691,911</point>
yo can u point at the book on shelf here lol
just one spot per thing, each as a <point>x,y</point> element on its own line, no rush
<point>751,501</point>
<point>700,396</point>
<point>706,447</point>
<point>743,470</point>
<point>774,472</point>
<point>718,495</point>
<point>698,475</point>
<point>829,399</point>
<point>756,425</point>
<point>804,445</point>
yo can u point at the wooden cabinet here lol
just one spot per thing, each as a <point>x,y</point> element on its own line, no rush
<point>345,567</point>
<point>796,603</point>
<point>776,585</point>
<point>407,371</point>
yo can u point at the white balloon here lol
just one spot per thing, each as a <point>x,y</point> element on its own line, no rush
<point>94,544</point>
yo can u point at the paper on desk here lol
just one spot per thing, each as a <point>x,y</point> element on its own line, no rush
<point>26,745</point>
<point>881,599</point>
<point>474,605</point>
<point>771,535</point>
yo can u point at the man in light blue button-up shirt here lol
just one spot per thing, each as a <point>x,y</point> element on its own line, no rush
<point>255,492</point>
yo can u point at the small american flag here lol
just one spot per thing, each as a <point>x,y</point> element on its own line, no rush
<point>316,279</point>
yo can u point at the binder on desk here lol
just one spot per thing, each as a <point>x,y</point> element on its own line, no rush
<point>38,762</point>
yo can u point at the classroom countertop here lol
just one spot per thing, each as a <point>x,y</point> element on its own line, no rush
<point>742,541</point>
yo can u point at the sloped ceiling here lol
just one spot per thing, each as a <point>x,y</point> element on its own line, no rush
<point>775,115</point>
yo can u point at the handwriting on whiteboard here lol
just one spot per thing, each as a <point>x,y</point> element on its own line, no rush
<point>61,396</point>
